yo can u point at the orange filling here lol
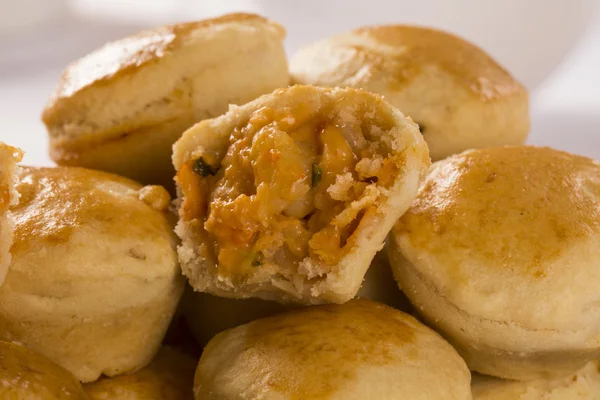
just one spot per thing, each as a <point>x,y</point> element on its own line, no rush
<point>290,186</point>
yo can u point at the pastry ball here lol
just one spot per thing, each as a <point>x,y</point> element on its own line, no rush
<point>121,108</point>
<point>94,279</point>
<point>208,315</point>
<point>460,97</point>
<point>499,252</point>
<point>170,376</point>
<point>357,350</point>
<point>26,375</point>
<point>290,196</point>
<point>582,385</point>
<point>9,157</point>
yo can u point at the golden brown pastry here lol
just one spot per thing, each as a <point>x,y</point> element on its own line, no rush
<point>94,279</point>
<point>121,108</point>
<point>460,97</point>
<point>358,350</point>
<point>26,375</point>
<point>500,251</point>
<point>208,315</point>
<point>9,157</point>
<point>290,196</point>
<point>582,385</point>
<point>170,376</point>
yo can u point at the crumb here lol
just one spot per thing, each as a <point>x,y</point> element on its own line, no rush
<point>369,167</point>
<point>155,196</point>
<point>348,215</point>
<point>339,190</point>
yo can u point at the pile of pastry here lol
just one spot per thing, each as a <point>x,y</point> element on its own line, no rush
<point>289,237</point>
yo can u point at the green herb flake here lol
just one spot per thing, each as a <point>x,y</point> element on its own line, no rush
<point>253,259</point>
<point>256,263</point>
<point>203,169</point>
<point>316,175</point>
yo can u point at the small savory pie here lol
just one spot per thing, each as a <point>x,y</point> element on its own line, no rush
<point>499,252</point>
<point>9,157</point>
<point>290,196</point>
<point>94,278</point>
<point>357,350</point>
<point>120,108</point>
<point>27,375</point>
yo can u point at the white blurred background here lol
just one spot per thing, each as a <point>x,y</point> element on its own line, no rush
<point>553,46</point>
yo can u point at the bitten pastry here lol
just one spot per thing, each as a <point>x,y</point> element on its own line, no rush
<point>500,253</point>
<point>290,196</point>
<point>170,376</point>
<point>26,375</point>
<point>460,97</point>
<point>583,385</point>
<point>94,279</point>
<point>121,108</point>
<point>9,157</point>
<point>357,350</point>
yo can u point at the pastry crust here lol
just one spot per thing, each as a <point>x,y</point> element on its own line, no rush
<point>26,375</point>
<point>121,107</point>
<point>9,169</point>
<point>94,279</point>
<point>582,385</point>
<point>224,152</point>
<point>170,376</point>
<point>357,350</point>
<point>499,252</point>
<point>460,97</point>
<point>208,315</point>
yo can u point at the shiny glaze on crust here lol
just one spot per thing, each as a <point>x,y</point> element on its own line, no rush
<point>25,374</point>
<point>310,353</point>
<point>126,55</point>
<point>414,48</point>
<point>515,208</point>
<point>55,202</point>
